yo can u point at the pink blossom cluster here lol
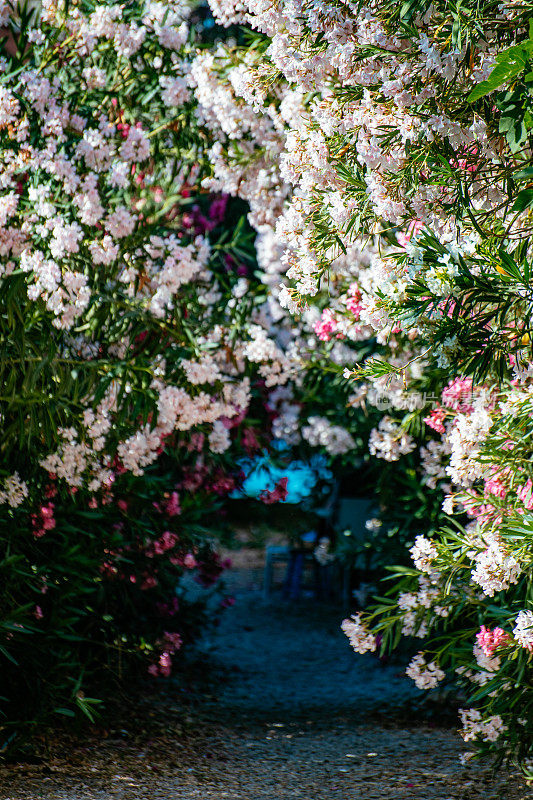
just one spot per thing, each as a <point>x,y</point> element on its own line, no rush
<point>326,326</point>
<point>170,644</point>
<point>489,640</point>
<point>43,520</point>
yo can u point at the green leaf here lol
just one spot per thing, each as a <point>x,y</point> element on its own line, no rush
<point>524,173</point>
<point>509,64</point>
<point>524,199</point>
<point>67,712</point>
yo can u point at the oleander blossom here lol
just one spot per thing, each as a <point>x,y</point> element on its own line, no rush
<point>495,568</point>
<point>489,640</point>
<point>425,675</point>
<point>523,630</point>
<point>389,441</point>
<point>358,635</point>
<point>475,726</point>
<point>335,439</point>
<point>423,553</point>
<point>15,491</point>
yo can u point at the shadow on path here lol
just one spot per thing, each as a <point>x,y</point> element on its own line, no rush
<point>295,714</point>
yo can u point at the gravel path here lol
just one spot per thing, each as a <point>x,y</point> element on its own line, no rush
<point>295,714</point>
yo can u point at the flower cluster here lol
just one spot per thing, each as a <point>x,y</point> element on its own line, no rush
<point>147,328</point>
<point>360,638</point>
<point>386,166</point>
<point>425,676</point>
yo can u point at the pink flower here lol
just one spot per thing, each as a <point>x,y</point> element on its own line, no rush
<point>168,540</point>
<point>38,612</point>
<point>353,302</point>
<point>165,664</point>
<point>196,442</point>
<point>173,641</point>
<point>123,505</point>
<point>153,670</point>
<point>413,229</point>
<point>495,486</point>
<point>326,325</point>
<point>217,209</point>
<point>108,569</point>
<point>436,419</point>
<point>525,495</point>
<point>189,561</point>
<point>456,393</point>
<point>489,640</point>
<point>44,520</point>
<point>173,505</point>
<point>149,582</point>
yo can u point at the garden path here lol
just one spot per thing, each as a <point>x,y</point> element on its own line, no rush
<point>294,714</point>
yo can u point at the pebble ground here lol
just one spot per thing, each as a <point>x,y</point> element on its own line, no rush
<point>294,714</point>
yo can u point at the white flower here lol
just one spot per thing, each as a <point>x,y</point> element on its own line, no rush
<point>335,439</point>
<point>523,630</point>
<point>425,676</point>
<point>15,491</point>
<point>120,223</point>
<point>474,726</point>
<point>423,553</point>
<point>496,569</point>
<point>176,91</point>
<point>360,638</point>
<point>389,441</point>
<point>219,438</point>
<point>136,148</point>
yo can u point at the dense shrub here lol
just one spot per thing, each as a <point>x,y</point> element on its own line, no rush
<point>385,152</point>
<point>131,349</point>
<point>142,357</point>
<point>97,602</point>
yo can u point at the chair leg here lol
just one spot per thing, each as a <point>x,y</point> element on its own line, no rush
<point>296,577</point>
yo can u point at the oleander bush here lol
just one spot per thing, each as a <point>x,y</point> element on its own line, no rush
<point>142,356</point>
<point>385,152</point>
<point>135,360</point>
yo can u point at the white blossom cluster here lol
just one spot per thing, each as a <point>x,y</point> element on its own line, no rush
<point>90,216</point>
<point>389,441</point>
<point>495,567</point>
<point>320,432</point>
<point>420,607</point>
<point>523,630</point>
<point>358,635</point>
<point>423,553</point>
<point>475,726</point>
<point>14,490</point>
<point>425,675</point>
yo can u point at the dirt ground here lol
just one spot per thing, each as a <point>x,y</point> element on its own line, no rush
<point>289,712</point>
